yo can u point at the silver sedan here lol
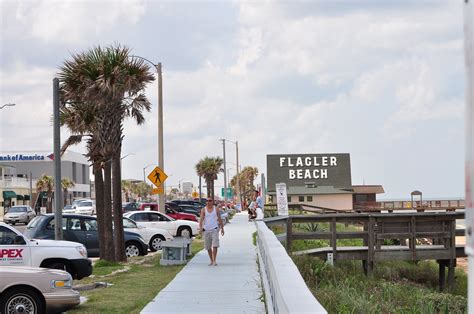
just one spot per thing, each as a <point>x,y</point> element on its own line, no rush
<point>19,214</point>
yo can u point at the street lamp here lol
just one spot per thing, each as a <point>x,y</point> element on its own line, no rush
<point>7,105</point>
<point>236,163</point>
<point>161,161</point>
<point>144,168</point>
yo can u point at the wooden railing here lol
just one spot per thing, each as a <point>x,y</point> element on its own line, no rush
<point>421,236</point>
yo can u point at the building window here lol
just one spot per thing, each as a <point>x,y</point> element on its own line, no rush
<point>300,198</point>
<point>288,199</point>
<point>74,174</point>
<point>309,198</point>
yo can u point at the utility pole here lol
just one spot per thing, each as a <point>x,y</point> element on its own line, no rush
<point>237,166</point>
<point>58,228</point>
<point>161,159</point>
<point>31,190</point>
<point>200,189</point>
<point>225,172</point>
<point>469,51</point>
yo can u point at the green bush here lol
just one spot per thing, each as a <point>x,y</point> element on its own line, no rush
<point>394,287</point>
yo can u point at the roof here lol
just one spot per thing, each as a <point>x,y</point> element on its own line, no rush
<point>302,190</point>
<point>368,189</point>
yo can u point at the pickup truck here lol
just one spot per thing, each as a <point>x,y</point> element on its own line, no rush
<point>18,250</point>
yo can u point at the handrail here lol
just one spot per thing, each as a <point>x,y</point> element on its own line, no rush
<point>285,289</point>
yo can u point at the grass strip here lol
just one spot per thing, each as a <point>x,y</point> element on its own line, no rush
<point>132,290</point>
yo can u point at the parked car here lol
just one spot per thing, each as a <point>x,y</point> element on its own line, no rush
<point>36,290</point>
<point>180,209</point>
<point>19,250</point>
<point>85,207</point>
<point>128,207</point>
<point>69,209</point>
<point>148,206</point>
<point>192,203</point>
<point>19,214</point>
<point>180,215</point>
<point>153,236</point>
<point>180,228</point>
<point>190,209</point>
<point>82,229</point>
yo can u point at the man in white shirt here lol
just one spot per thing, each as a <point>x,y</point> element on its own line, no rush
<point>209,227</point>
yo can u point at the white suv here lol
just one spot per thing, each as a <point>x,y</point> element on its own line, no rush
<point>85,207</point>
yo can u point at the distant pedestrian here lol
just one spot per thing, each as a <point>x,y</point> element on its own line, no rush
<point>259,200</point>
<point>211,218</point>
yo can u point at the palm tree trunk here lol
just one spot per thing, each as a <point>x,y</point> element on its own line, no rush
<point>49,204</point>
<point>208,187</point>
<point>117,203</point>
<point>65,196</point>
<point>99,207</point>
<point>109,249</point>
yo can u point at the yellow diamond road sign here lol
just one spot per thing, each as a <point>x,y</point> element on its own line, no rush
<point>157,176</point>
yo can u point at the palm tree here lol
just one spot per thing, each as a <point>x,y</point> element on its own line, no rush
<point>66,184</point>
<point>127,189</point>
<point>46,184</point>
<point>112,83</point>
<point>209,168</point>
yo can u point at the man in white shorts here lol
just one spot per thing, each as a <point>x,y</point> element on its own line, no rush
<point>211,219</point>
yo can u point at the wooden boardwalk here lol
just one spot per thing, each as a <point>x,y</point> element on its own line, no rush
<point>234,286</point>
<point>422,236</point>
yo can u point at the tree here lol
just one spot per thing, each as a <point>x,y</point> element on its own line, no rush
<point>246,178</point>
<point>66,184</point>
<point>112,83</point>
<point>209,168</point>
<point>46,184</point>
<point>127,189</point>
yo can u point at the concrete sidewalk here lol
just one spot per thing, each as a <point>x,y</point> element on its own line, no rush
<point>233,286</point>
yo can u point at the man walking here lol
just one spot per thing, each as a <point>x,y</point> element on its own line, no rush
<point>211,217</point>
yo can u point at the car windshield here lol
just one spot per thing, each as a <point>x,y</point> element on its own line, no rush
<point>33,223</point>
<point>128,223</point>
<point>68,207</point>
<point>84,204</point>
<point>17,210</point>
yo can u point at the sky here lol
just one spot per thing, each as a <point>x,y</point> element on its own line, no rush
<point>381,80</point>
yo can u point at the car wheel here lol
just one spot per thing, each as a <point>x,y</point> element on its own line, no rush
<point>132,249</point>
<point>185,232</point>
<point>61,266</point>
<point>155,242</point>
<point>21,300</point>
<point>13,223</point>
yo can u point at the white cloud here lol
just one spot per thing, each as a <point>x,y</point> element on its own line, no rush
<point>372,80</point>
<point>74,22</point>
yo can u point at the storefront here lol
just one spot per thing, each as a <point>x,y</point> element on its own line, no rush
<point>19,173</point>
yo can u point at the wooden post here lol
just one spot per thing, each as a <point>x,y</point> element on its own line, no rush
<point>442,275</point>
<point>413,237</point>
<point>451,268</point>
<point>334,238</point>
<point>289,233</point>
<point>370,249</point>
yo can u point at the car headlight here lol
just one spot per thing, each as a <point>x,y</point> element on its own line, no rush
<point>82,250</point>
<point>61,283</point>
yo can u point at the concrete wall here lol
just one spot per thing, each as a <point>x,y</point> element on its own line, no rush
<point>336,201</point>
<point>285,289</point>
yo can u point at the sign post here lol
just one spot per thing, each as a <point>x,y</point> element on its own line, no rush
<point>282,200</point>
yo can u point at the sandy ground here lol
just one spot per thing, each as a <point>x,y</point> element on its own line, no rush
<point>462,261</point>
